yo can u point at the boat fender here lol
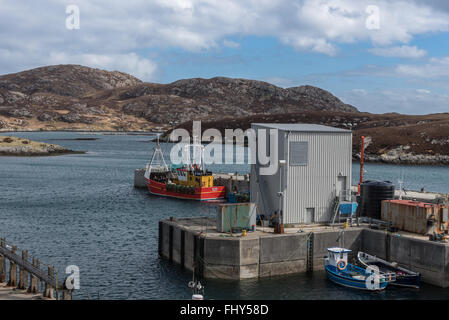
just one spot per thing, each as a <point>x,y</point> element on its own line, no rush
<point>341,265</point>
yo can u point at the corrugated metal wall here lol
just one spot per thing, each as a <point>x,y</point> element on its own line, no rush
<point>313,185</point>
<point>266,195</point>
<point>310,186</point>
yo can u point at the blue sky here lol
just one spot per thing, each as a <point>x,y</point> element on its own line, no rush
<point>381,56</point>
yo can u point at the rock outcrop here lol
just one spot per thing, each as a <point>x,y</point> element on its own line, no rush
<point>13,146</point>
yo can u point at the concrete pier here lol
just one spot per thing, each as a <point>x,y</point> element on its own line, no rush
<point>139,180</point>
<point>195,242</point>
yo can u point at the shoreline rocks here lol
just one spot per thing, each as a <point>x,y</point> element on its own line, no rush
<point>18,147</point>
<point>408,159</point>
<point>402,155</point>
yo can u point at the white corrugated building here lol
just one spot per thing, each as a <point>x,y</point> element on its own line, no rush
<point>318,165</point>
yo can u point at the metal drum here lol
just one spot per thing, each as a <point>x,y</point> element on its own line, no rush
<point>372,193</point>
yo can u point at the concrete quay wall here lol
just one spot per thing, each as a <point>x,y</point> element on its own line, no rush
<point>264,254</point>
<point>429,258</point>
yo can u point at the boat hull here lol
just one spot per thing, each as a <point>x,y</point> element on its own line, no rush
<point>407,281</point>
<point>343,279</point>
<point>404,277</point>
<point>201,194</point>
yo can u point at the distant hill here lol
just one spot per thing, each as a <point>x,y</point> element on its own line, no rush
<point>80,98</point>
<point>396,138</point>
<point>73,97</point>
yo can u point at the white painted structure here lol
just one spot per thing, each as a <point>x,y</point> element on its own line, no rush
<point>317,166</point>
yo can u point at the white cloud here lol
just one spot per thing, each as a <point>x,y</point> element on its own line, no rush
<point>401,100</point>
<point>114,28</point>
<point>362,92</point>
<point>399,52</point>
<point>435,68</point>
<point>306,43</point>
<point>231,44</point>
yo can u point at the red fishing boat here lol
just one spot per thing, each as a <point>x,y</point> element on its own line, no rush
<point>190,181</point>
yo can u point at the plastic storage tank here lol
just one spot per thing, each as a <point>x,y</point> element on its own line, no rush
<point>372,193</point>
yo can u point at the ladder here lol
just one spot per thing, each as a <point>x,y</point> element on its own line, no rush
<point>335,209</point>
<point>310,252</point>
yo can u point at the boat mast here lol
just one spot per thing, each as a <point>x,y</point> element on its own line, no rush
<point>161,165</point>
<point>195,159</point>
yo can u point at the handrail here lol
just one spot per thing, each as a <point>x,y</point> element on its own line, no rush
<point>28,266</point>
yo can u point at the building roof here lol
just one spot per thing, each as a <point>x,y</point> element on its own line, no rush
<point>412,203</point>
<point>301,127</point>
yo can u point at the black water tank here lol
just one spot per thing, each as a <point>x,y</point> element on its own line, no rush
<point>372,193</point>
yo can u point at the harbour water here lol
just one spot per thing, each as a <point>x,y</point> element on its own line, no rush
<point>83,210</point>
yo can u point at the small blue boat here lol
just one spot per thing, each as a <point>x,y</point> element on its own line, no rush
<point>343,273</point>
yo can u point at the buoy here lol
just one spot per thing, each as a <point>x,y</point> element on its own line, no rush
<point>197,297</point>
<point>341,265</point>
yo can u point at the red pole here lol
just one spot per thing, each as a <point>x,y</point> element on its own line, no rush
<point>362,155</point>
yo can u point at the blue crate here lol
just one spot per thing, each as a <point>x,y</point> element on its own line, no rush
<point>348,208</point>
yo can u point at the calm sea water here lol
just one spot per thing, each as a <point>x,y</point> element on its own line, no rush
<point>83,210</point>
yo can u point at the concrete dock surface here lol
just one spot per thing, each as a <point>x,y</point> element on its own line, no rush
<point>207,226</point>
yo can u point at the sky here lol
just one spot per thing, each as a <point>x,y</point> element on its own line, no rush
<point>380,56</point>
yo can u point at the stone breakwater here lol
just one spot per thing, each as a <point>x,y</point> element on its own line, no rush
<point>13,146</point>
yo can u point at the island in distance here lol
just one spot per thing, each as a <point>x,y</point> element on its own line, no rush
<point>14,146</point>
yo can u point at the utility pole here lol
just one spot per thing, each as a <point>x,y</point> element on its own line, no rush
<point>362,155</point>
<point>281,197</point>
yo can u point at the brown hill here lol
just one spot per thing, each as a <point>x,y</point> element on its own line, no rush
<point>74,97</point>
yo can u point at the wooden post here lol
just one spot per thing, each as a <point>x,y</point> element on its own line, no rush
<point>67,295</point>
<point>12,270</point>
<point>49,290</point>
<point>2,263</point>
<point>23,274</point>
<point>33,288</point>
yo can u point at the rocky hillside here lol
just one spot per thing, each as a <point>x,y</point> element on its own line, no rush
<point>72,97</point>
<point>396,138</point>
<point>209,99</point>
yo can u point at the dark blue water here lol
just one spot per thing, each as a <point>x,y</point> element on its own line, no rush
<point>83,210</point>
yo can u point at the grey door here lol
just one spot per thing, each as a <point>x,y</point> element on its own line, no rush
<point>310,215</point>
<point>341,186</point>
